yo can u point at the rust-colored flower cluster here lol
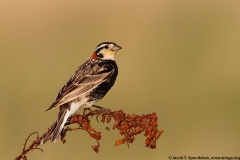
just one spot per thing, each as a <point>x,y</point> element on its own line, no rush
<point>127,125</point>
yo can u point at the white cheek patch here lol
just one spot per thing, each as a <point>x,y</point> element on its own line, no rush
<point>110,56</point>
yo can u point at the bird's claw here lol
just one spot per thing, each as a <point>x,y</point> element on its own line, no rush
<point>100,109</point>
<point>84,111</point>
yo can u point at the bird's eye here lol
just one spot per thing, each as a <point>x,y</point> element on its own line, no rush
<point>106,47</point>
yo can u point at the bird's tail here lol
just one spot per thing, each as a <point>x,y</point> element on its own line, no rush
<point>57,127</point>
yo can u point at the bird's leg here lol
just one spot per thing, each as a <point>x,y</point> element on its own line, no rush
<point>100,110</point>
<point>98,107</point>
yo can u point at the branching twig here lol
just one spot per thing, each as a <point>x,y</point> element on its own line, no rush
<point>33,146</point>
<point>127,125</point>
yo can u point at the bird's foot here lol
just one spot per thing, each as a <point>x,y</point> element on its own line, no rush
<point>101,109</point>
<point>84,111</point>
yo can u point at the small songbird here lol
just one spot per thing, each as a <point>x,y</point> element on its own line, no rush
<point>90,83</point>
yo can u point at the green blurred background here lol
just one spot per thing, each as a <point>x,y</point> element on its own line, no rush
<point>180,59</point>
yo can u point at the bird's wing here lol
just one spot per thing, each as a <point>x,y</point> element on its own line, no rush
<point>85,79</point>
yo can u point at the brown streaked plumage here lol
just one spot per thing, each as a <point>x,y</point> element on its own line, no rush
<point>89,84</point>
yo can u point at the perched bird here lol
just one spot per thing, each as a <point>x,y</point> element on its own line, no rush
<point>90,83</point>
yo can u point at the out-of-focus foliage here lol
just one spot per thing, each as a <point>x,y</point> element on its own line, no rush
<point>180,59</point>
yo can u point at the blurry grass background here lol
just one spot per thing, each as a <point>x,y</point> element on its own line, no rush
<point>180,59</point>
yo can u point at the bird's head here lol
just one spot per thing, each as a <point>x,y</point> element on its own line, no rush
<point>106,51</point>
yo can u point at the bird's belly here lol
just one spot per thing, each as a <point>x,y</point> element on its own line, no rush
<point>80,104</point>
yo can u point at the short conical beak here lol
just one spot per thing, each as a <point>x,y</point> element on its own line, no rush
<point>116,47</point>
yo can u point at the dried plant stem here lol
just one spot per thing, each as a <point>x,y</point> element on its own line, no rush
<point>127,125</point>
